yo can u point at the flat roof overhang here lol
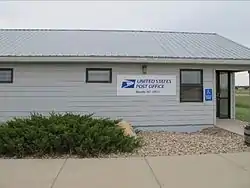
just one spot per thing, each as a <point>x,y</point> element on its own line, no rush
<point>118,59</point>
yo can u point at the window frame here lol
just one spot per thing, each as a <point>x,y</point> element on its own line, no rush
<point>98,69</point>
<point>12,76</point>
<point>200,85</point>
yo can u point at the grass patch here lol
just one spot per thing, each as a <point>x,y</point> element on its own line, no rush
<point>243,114</point>
<point>243,108</point>
<point>242,91</point>
<point>243,101</point>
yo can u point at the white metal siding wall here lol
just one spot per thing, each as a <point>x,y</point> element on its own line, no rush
<point>62,88</point>
<point>176,113</point>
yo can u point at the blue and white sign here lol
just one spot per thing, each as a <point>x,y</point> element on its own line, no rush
<point>130,85</point>
<point>208,94</point>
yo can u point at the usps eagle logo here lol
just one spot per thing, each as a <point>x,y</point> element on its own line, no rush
<point>128,84</point>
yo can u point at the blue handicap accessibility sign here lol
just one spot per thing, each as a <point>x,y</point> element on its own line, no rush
<point>208,94</point>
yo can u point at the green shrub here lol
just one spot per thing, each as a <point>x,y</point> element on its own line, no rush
<point>59,134</point>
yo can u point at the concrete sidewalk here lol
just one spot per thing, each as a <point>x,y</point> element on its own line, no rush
<point>232,125</point>
<point>206,171</point>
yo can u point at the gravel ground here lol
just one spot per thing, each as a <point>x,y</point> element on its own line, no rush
<point>209,140</point>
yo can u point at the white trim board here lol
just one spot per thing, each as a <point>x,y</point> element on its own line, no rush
<point>65,59</point>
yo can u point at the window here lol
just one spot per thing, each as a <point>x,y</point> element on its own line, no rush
<point>6,75</point>
<point>98,75</point>
<point>191,85</point>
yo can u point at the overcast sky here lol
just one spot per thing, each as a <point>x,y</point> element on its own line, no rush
<point>230,19</point>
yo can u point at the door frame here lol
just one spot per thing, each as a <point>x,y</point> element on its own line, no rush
<point>218,91</point>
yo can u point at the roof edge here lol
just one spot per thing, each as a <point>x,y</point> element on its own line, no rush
<point>145,60</point>
<point>105,30</point>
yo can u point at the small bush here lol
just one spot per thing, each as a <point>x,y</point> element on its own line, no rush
<point>59,134</point>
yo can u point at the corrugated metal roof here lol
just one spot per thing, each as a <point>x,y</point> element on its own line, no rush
<point>115,43</point>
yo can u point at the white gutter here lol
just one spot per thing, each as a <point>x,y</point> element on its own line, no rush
<point>66,59</point>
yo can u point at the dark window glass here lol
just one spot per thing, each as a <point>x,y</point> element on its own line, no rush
<point>98,75</point>
<point>191,85</point>
<point>6,75</point>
